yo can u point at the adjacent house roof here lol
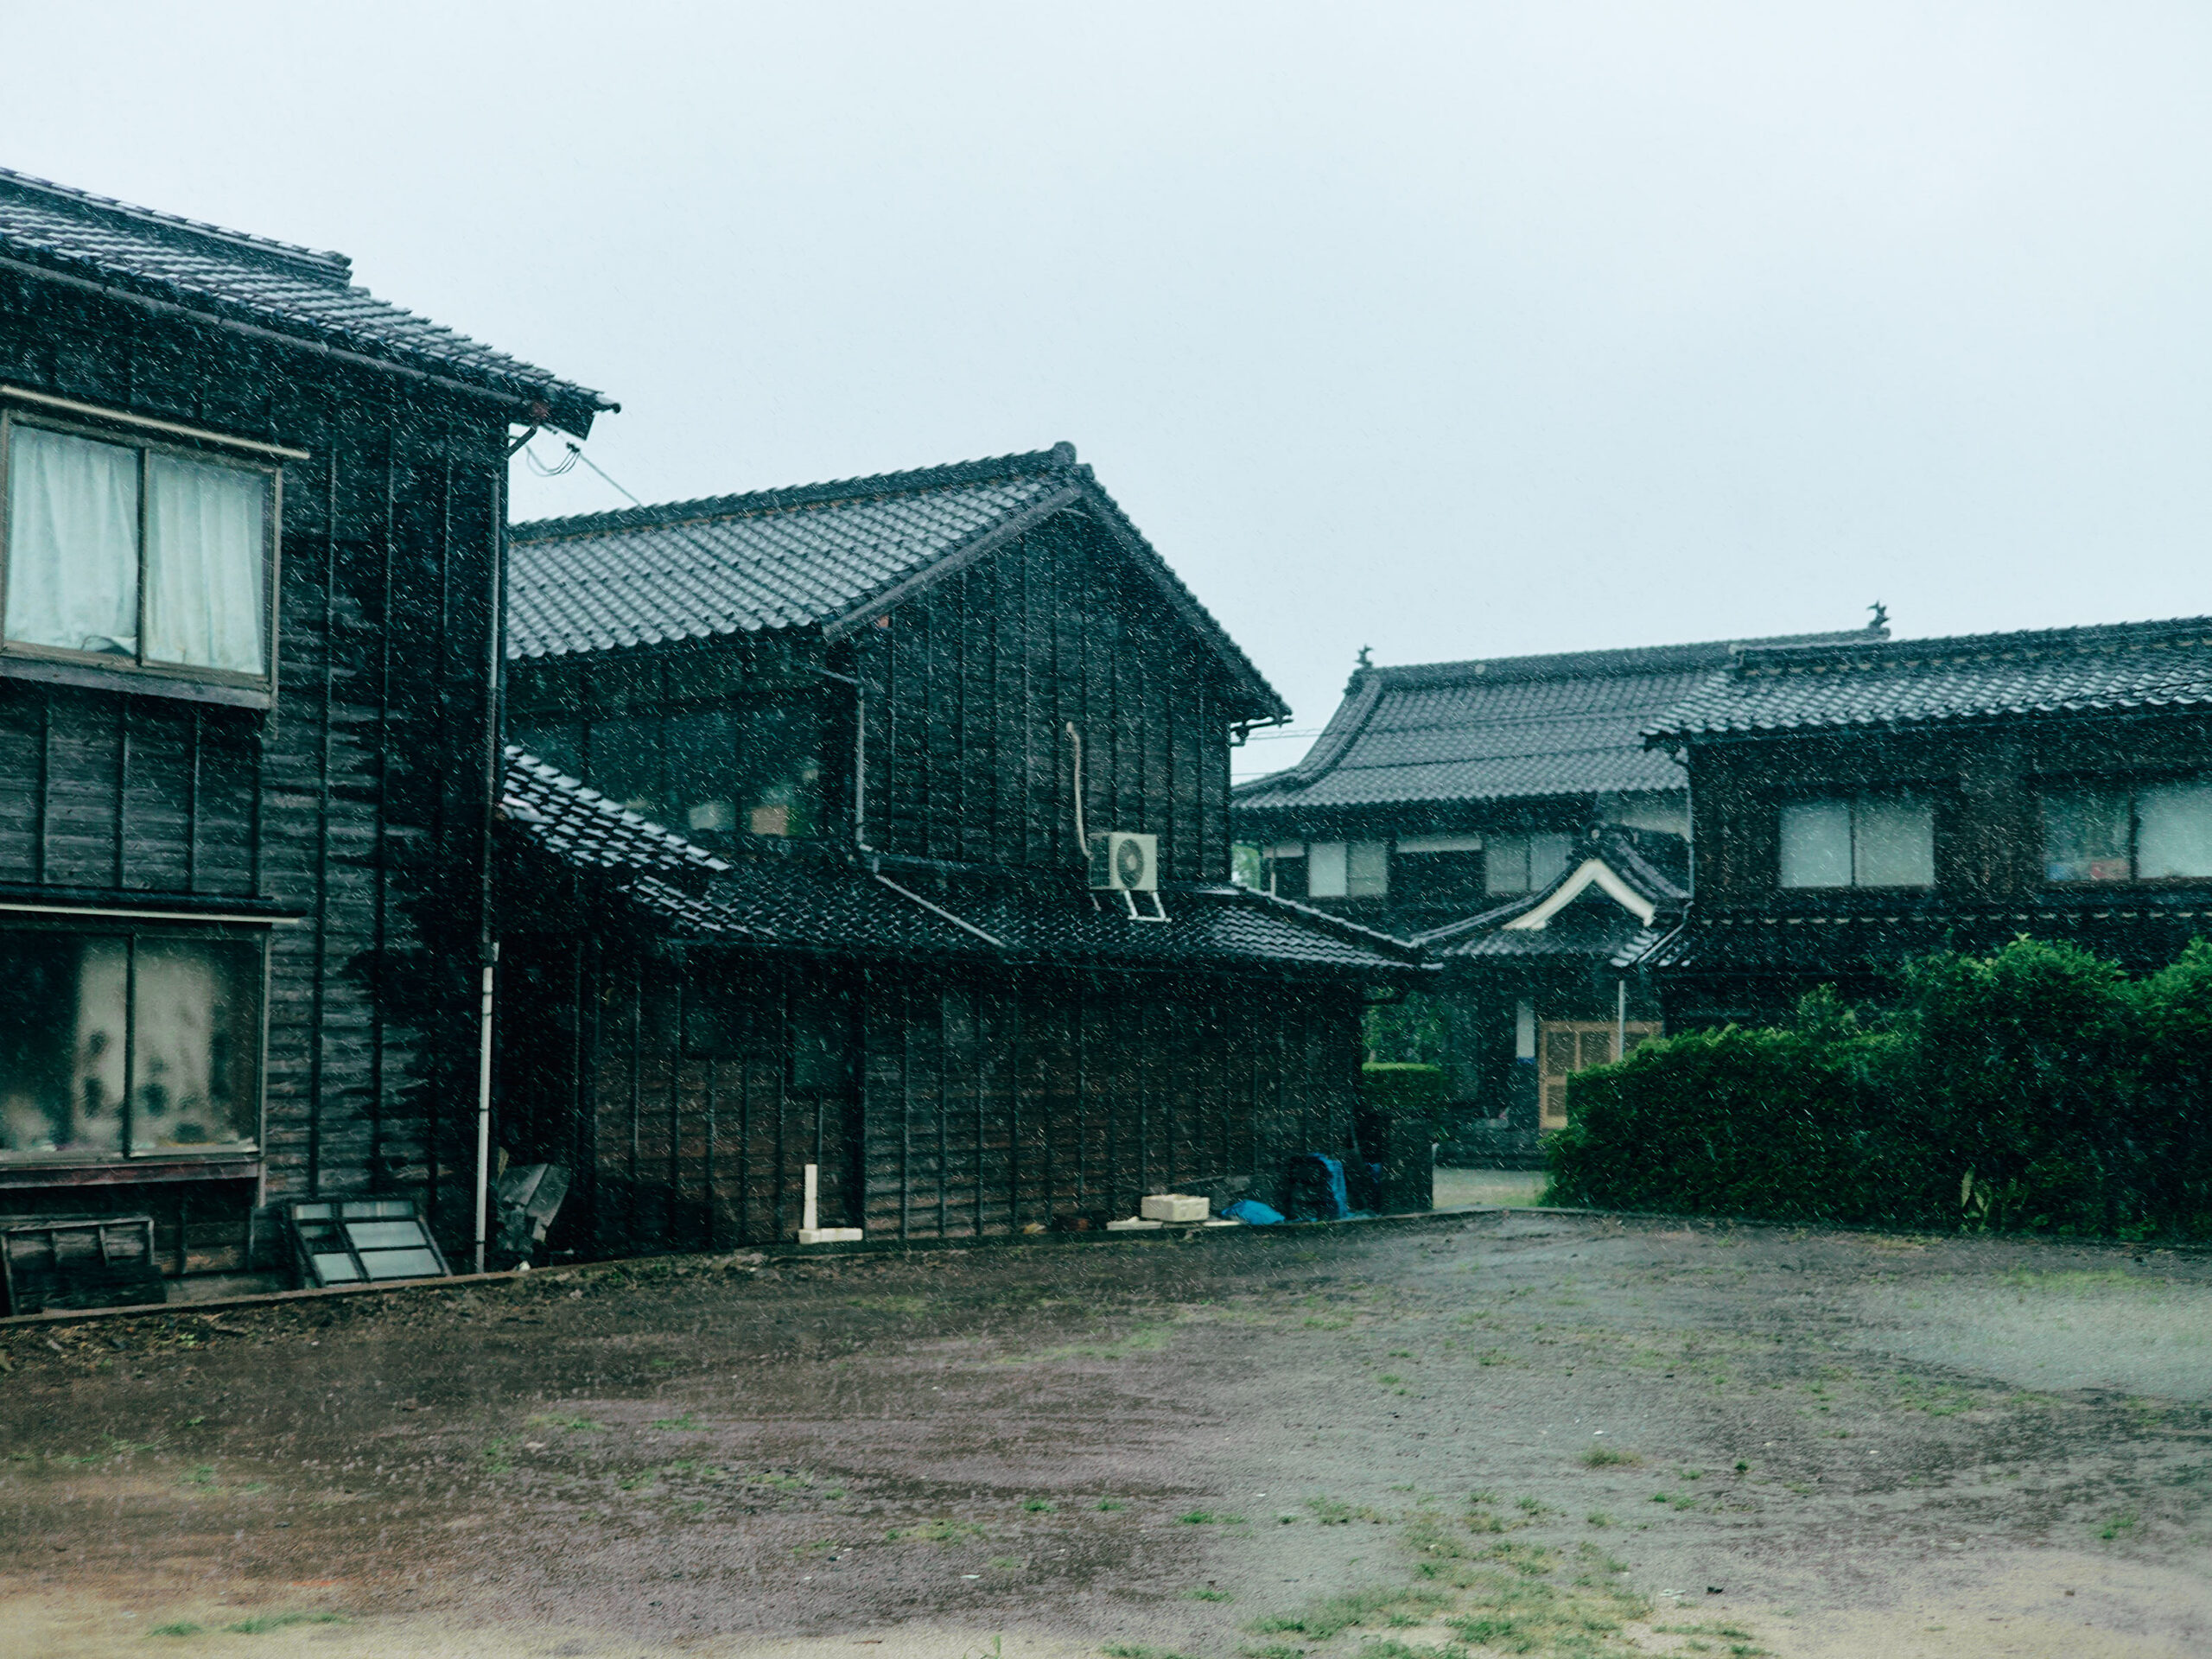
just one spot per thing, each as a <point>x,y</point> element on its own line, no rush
<point>1978,676</point>
<point>828,555</point>
<point>814,899</point>
<point>1501,728</point>
<point>1619,895</point>
<point>274,287</point>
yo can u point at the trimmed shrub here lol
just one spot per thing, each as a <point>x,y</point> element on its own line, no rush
<point>1405,1093</point>
<point>2035,1088</point>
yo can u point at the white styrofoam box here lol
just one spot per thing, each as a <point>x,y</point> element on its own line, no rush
<point>1174,1206</point>
<point>1132,1224</point>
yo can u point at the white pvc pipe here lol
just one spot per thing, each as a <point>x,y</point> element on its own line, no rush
<point>807,1222</point>
<point>484,1112</point>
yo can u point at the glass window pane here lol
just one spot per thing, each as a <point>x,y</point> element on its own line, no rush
<point>207,530</point>
<point>1366,869</point>
<point>72,543</point>
<point>1547,856</point>
<point>782,768</point>
<point>2085,835</point>
<point>2174,831</point>
<point>1325,869</point>
<point>402,1264</point>
<point>1816,844</point>
<point>1505,864</point>
<point>1894,843</point>
<point>196,1046</point>
<point>703,763</point>
<point>556,742</point>
<point>384,1235</point>
<point>61,1044</point>
<point>624,763</point>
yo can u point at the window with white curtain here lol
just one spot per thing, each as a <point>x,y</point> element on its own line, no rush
<point>1525,863</point>
<point>2161,832</point>
<point>1325,872</point>
<point>1867,840</point>
<point>136,553</point>
<point>1366,869</point>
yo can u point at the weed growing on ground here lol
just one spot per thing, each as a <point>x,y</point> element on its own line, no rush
<point>1331,1614</point>
<point>1129,1650</point>
<point>1037,1506</point>
<point>262,1623</point>
<point>2119,1525</point>
<point>1111,1503</point>
<point>1599,1518</point>
<point>686,1422</point>
<point>566,1424</point>
<point>1606,1457</point>
<point>181,1627</point>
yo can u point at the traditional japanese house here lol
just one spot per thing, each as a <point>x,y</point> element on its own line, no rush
<point>882,826</point>
<point>1507,814</point>
<point>1855,804</point>
<point>251,565</point>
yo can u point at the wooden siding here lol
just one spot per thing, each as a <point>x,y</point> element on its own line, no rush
<point>357,802</point>
<point>1984,781</point>
<point>973,684</point>
<point>974,1106</point>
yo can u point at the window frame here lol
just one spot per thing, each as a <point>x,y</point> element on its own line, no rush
<point>1852,804</point>
<point>134,928</point>
<point>2133,789</point>
<point>105,668</point>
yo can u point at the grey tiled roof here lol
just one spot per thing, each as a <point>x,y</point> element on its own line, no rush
<point>289,291</point>
<point>824,555</point>
<point>813,898</point>
<point>2052,671</point>
<point>1507,727</point>
<point>1599,927</point>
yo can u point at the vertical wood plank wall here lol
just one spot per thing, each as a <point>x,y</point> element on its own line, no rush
<point>977,1105</point>
<point>356,801</point>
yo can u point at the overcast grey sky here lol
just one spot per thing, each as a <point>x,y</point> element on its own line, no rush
<point>1455,331</point>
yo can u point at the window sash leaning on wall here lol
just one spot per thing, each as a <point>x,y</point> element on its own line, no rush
<point>128,553</point>
<point>131,1040</point>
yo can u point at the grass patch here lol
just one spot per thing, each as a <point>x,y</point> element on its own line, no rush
<point>686,1423</point>
<point>1037,1506</point>
<point>565,1423</point>
<point>1332,1614</point>
<point>2120,1525</point>
<point>1111,1503</point>
<point>934,1532</point>
<point>1207,1595</point>
<point>179,1627</point>
<point>1609,1457</point>
<point>1208,1518</point>
<point>262,1623</point>
<point>1130,1650</point>
<point>1599,1518</point>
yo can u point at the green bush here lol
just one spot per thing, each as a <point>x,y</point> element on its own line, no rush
<point>2035,1088</point>
<point>1400,1092</point>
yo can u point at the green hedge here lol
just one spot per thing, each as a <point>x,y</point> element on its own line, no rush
<point>1401,1091</point>
<point>2034,1088</point>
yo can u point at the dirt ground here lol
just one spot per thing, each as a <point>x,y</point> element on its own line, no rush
<point>1514,1432</point>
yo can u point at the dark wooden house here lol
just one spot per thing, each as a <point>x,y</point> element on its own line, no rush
<point>1858,805</point>
<point>1507,814</point>
<point>800,822</point>
<point>251,550</point>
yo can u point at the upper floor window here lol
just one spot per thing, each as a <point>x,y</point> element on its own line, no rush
<point>136,553</point>
<point>2160,832</point>
<point>1525,863</point>
<point>707,774</point>
<point>1863,841</point>
<point>129,1044</point>
<point>1347,869</point>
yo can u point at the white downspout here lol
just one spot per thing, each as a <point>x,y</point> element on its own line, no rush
<point>484,1110</point>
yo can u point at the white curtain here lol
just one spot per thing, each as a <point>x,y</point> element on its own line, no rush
<point>1894,844</point>
<point>206,529</point>
<point>2173,831</point>
<point>1816,844</point>
<point>72,543</point>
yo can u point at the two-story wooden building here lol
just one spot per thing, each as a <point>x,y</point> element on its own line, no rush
<point>1506,814</point>
<point>803,814</point>
<point>251,556</point>
<point>1857,804</point>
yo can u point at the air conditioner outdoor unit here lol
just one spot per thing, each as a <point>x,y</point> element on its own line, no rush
<point>1123,862</point>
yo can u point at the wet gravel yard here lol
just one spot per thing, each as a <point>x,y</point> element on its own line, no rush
<point>1502,1432</point>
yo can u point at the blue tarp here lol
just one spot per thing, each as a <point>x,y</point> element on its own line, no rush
<point>1252,1213</point>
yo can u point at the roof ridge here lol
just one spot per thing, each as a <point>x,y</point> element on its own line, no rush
<point>1615,659</point>
<point>2061,640</point>
<point>320,262</point>
<point>654,515</point>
